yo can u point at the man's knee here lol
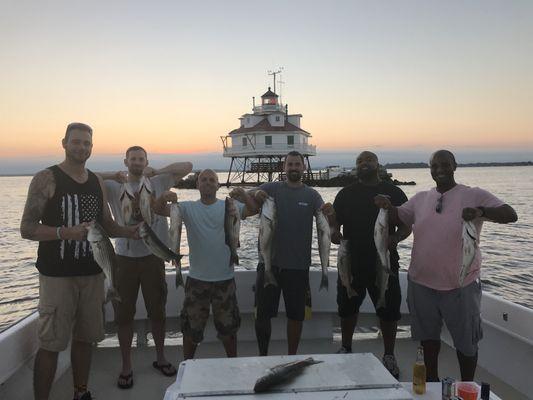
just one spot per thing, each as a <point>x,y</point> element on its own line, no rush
<point>48,354</point>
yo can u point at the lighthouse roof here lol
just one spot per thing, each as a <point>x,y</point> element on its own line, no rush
<point>269,93</point>
<point>265,126</point>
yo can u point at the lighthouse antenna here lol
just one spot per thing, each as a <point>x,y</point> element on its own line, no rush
<point>281,82</point>
<point>274,73</point>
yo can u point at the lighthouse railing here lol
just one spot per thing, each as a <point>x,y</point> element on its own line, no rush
<point>269,149</point>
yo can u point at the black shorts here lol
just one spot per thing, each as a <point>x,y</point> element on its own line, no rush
<point>294,283</point>
<point>393,297</point>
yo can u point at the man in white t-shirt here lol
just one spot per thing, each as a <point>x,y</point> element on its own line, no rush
<point>137,266</point>
<point>210,282</point>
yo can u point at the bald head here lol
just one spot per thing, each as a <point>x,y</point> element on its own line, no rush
<point>207,184</point>
<point>442,166</point>
<point>367,155</point>
<point>447,154</point>
<point>208,172</point>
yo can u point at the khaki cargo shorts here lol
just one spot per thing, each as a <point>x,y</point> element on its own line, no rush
<point>199,296</point>
<point>70,306</point>
<point>148,273</point>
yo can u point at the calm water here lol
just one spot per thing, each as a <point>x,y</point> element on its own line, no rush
<point>507,249</point>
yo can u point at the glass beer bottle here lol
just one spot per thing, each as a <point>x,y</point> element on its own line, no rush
<point>419,373</point>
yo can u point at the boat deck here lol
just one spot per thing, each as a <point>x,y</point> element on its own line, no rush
<point>505,358</point>
<point>150,384</point>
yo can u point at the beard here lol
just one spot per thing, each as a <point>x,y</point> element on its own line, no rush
<point>365,173</point>
<point>294,176</point>
<point>136,171</point>
<point>78,157</point>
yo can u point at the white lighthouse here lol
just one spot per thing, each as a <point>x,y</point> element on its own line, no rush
<point>258,147</point>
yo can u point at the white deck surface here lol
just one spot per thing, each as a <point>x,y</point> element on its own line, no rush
<point>150,384</point>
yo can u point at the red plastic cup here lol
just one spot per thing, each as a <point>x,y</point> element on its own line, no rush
<point>467,391</point>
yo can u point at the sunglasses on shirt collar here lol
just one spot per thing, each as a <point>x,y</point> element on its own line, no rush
<point>438,207</point>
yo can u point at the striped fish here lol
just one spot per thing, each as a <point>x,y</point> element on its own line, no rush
<point>104,255</point>
<point>174,233</point>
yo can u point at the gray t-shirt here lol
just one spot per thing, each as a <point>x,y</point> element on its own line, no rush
<point>295,209</point>
<point>137,248</point>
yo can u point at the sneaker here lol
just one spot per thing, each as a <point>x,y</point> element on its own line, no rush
<point>84,396</point>
<point>344,350</point>
<point>389,361</point>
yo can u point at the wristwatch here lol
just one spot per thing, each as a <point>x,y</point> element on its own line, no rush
<point>482,209</point>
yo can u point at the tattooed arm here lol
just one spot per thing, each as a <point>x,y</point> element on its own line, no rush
<point>42,188</point>
<point>111,227</point>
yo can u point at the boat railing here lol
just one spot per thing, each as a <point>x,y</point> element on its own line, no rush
<point>505,351</point>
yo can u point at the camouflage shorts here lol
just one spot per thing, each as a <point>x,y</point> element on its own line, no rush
<point>199,296</point>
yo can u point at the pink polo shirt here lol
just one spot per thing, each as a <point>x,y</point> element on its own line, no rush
<point>436,256</point>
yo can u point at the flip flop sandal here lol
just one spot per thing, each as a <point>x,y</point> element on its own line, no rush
<point>126,378</point>
<point>167,369</point>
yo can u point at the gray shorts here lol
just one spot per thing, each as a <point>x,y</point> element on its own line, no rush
<point>459,308</point>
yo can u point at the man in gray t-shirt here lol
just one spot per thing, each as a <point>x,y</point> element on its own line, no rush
<point>137,266</point>
<point>296,204</point>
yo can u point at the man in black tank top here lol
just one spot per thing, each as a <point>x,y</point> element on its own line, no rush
<point>62,201</point>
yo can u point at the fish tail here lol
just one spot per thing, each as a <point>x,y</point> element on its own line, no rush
<point>324,283</point>
<point>179,276</point>
<point>179,279</point>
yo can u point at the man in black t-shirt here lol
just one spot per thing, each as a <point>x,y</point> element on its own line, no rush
<point>356,212</point>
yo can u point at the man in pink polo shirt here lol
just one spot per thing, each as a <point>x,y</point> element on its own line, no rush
<point>434,294</point>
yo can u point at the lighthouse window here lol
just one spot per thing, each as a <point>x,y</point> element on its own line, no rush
<point>290,140</point>
<point>268,140</point>
<point>244,142</point>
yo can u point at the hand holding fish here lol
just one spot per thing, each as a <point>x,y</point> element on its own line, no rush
<point>149,172</point>
<point>383,201</point>
<point>132,231</point>
<point>76,232</point>
<point>170,197</point>
<point>260,196</point>
<point>327,209</point>
<point>120,177</point>
<point>336,236</point>
<point>238,194</point>
<point>470,213</point>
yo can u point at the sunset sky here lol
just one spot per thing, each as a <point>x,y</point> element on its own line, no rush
<point>174,76</point>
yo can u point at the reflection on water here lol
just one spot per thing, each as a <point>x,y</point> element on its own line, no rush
<point>507,249</point>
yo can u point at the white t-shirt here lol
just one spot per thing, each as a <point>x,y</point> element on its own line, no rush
<point>208,253</point>
<point>137,248</point>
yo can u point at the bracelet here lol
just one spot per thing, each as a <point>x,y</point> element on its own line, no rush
<point>58,232</point>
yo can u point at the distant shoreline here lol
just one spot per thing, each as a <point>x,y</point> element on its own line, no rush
<point>466,165</point>
<point>405,165</point>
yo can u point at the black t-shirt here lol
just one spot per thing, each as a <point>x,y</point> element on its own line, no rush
<point>356,212</point>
